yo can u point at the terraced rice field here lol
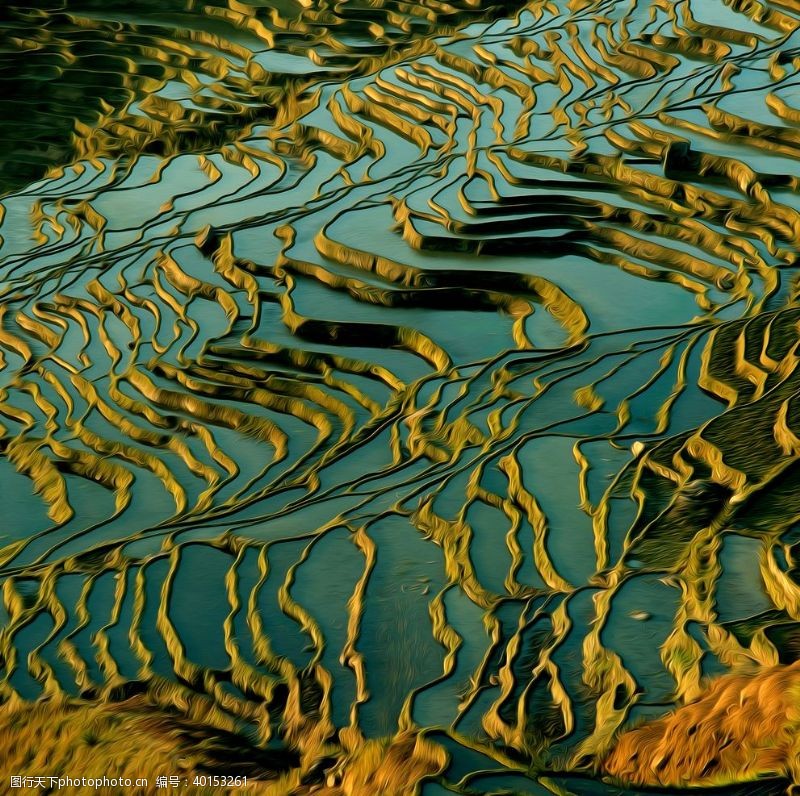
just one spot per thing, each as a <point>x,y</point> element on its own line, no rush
<point>401,397</point>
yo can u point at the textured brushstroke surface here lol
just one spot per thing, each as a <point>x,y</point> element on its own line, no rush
<point>402,397</point>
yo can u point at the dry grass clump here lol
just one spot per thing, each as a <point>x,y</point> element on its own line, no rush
<point>136,739</point>
<point>395,766</point>
<point>130,739</point>
<point>743,728</point>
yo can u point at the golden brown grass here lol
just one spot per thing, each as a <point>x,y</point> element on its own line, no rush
<point>385,767</point>
<point>741,729</point>
<point>130,739</point>
<point>136,739</point>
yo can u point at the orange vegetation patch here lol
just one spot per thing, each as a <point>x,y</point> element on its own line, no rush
<point>743,728</point>
<point>398,766</point>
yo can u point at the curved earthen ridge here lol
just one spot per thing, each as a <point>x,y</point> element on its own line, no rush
<point>406,390</point>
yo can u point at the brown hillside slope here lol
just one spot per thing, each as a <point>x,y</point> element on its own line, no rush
<point>743,728</point>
